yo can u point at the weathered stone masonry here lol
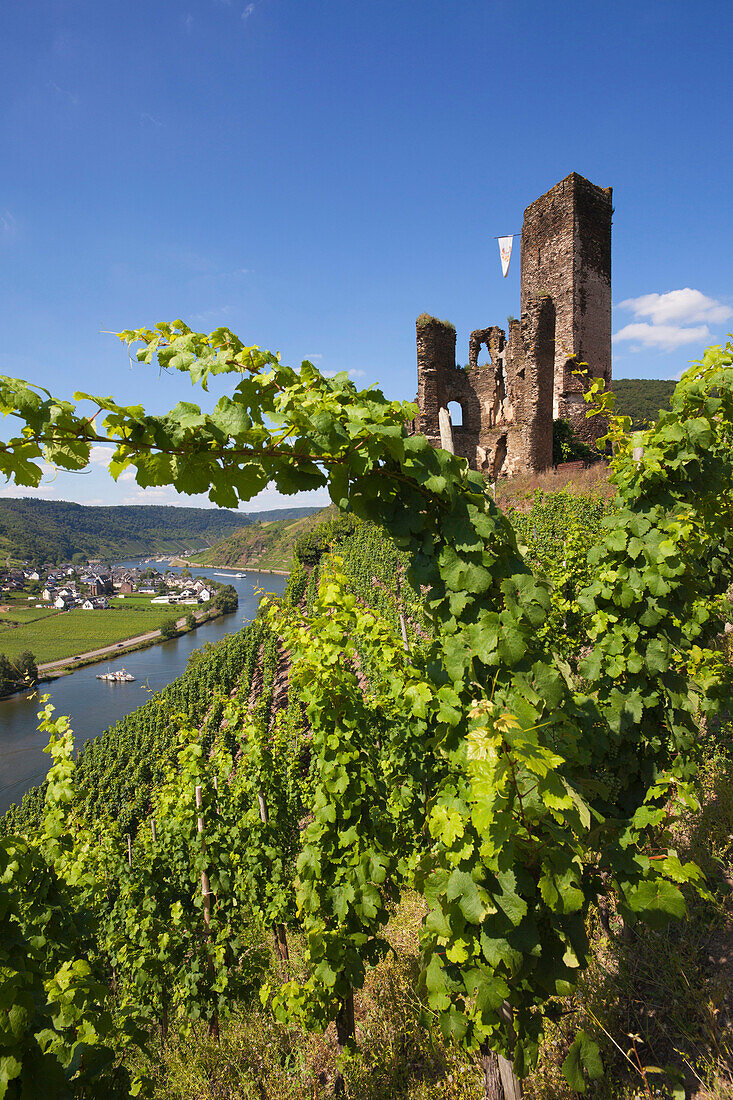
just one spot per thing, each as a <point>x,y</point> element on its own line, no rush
<point>508,405</point>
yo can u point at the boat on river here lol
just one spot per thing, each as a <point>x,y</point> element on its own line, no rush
<point>119,677</point>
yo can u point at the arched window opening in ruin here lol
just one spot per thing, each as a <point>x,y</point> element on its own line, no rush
<point>486,358</point>
<point>456,414</point>
<point>479,339</point>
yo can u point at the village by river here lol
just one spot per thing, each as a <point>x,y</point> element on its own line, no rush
<point>93,705</point>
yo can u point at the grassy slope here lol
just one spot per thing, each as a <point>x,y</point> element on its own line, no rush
<point>262,545</point>
<point>518,492</point>
<point>78,631</point>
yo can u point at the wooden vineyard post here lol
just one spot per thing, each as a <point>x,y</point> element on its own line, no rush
<point>638,452</point>
<point>206,892</point>
<point>279,935</point>
<point>152,829</point>
<point>403,622</point>
<point>345,1033</point>
<point>129,850</point>
<point>446,430</point>
<point>403,628</point>
<point>205,889</point>
<point>493,1088</point>
<point>510,1082</point>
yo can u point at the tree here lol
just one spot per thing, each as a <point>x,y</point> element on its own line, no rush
<point>26,668</point>
<point>227,598</point>
<point>311,546</point>
<point>168,629</point>
<point>566,447</point>
<point>190,620</point>
<point>7,675</point>
<point>20,672</point>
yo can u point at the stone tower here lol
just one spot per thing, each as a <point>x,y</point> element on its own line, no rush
<point>566,256</point>
<point>508,405</point>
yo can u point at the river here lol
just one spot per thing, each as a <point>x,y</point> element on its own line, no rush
<point>93,705</point>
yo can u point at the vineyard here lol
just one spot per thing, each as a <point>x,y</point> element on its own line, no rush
<point>53,637</point>
<point>435,804</point>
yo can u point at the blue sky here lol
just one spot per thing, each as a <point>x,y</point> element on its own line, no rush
<point>316,173</point>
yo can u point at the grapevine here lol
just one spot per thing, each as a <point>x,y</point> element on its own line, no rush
<point>537,793</point>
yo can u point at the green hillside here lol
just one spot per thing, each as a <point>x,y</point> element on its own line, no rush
<point>53,531</point>
<point>262,545</point>
<point>642,398</point>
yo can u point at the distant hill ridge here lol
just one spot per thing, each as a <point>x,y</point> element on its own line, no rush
<point>642,398</point>
<point>53,531</point>
<point>263,545</point>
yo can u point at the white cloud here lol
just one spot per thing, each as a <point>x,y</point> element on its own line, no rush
<point>248,11</point>
<point>44,492</point>
<point>100,455</point>
<point>163,494</point>
<point>664,337</point>
<point>151,119</point>
<point>188,23</point>
<point>313,357</point>
<point>683,307</point>
<point>351,373</point>
<point>671,320</point>
<point>270,498</point>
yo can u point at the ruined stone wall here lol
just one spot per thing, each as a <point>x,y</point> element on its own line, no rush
<point>508,405</point>
<point>489,437</point>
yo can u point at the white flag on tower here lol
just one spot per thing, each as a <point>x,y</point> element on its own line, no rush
<point>505,251</point>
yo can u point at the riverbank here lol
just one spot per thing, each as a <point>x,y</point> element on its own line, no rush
<point>233,569</point>
<point>94,705</point>
<point>129,645</point>
<point>53,670</point>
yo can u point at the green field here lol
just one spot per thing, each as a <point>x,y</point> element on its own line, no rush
<point>56,636</point>
<point>21,614</point>
<point>139,603</point>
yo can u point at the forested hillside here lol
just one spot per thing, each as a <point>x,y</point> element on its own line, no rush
<point>642,398</point>
<point>53,531</point>
<point>265,545</point>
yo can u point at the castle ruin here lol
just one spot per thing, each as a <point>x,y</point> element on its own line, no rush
<point>508,405</point>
